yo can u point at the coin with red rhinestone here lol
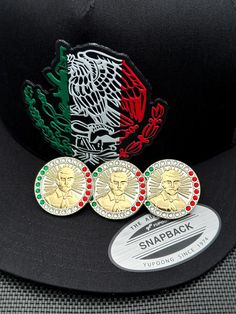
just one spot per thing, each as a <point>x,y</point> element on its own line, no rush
<point>173,189</point>
<point>119,189</point>
<point>63,186</point>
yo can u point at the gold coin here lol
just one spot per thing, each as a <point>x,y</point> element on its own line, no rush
<point>63,186</point>
<point>119,189</point>
<point>173,189</point>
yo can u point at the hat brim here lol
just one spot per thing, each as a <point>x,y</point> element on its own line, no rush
<point>72,251</point>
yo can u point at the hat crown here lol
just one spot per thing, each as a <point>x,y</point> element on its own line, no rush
<point>188,59</point>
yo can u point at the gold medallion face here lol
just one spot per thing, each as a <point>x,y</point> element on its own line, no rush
<point>173,189</point>
<point>63,186</point>
<point>119,189</point>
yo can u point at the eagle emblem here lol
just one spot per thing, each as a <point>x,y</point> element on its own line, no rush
<point>99,107</point>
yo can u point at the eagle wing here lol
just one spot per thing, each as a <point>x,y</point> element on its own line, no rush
<point>94,84</point>
<point>102,86</point>
<point>134,94</point>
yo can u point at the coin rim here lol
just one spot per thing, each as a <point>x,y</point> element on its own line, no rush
<point>102,212</point>
<point>59,211</point>
<point>173,215</point>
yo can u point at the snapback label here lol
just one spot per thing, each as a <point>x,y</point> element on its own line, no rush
<point>98,106</point>
<point>152,244</point>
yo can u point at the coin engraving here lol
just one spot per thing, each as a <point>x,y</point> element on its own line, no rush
<point>169,199</point>
<point>119,189</point>
<point>64,195</point>
<point>63,186</point>
<point>116,199</point>
<point>173,189</point>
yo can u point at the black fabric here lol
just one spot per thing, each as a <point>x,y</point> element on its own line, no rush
<point>72,251</point>
<point>212,293</point>
<point>185,49</point>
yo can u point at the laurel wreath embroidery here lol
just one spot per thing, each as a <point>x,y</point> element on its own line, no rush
<point>148,132</point>
<point>59,142</point>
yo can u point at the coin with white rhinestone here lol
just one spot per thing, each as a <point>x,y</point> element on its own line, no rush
<point>173,189</point>
<point>63,186</point>
<point>119,189</point>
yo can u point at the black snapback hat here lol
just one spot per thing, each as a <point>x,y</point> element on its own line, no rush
<point>178,52</point>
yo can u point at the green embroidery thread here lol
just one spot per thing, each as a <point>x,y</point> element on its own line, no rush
<point>58,130</point>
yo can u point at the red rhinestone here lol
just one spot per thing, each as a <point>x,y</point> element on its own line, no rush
<point>142,191</point>
<point>89,180</point>
<point>188,208</point>
<point>142,185</point>
<point>87,174</point>
<point>138,204</point>
<point>84,169</point>
<point>192,203</point>
<point>89,186</point>
<point>141,198</point>
<point>85,198</point>
<point>194,179</point>
<point>133,208</point>
<point>190,173</point>
<point>87,192</point>
<point>81,204</point>
<point>196,191</point>
<point>138,173</point>
<point>195,198</point>
<point>141,179</point>
<point>196,185</point>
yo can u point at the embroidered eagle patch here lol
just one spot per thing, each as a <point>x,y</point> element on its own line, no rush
<point>99,107</point>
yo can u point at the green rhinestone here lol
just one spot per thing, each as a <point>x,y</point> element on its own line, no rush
<point>148,203</point>
<point>37,184</point>
<point>37,190</point>
<point>99,169</point>
<point>42,202</point>
<point>95,174</point>
<point>39,196</point>
<point>94,204</point>
<point>147,173</point>
<point>39,178</point>
<point>151,168</point>
<point>91,198</point>
<point>42,172</point>
<point>45,168</point>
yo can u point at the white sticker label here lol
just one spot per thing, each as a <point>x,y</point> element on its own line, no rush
<point>151,244</point>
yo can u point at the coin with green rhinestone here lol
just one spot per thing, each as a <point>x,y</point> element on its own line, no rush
<point>173,189</point>
<point>63,186</point>
<point>119,189</point>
